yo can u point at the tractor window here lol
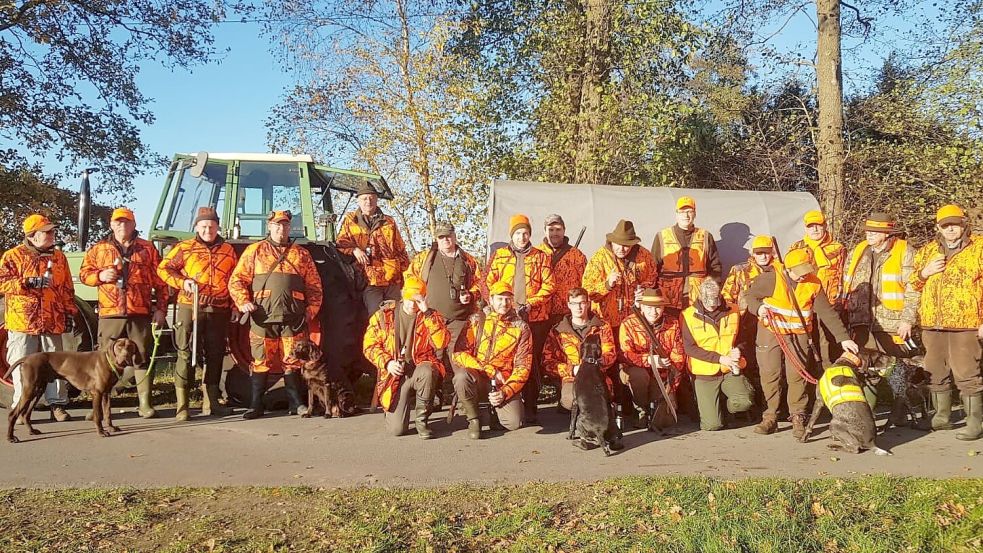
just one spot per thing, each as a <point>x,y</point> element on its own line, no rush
<point>264,187</point>
<point>192,193</point>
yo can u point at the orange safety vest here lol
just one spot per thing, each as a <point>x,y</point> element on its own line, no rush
<point>710,338</point>
<point>671,277</point>
<point>892,280</point>
<point>784,319</point>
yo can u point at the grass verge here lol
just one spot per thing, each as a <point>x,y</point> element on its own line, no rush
<point>627,514</point>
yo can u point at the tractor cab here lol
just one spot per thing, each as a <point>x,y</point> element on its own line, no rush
<point>245,188</point>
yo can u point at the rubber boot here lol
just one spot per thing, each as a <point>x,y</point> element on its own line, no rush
<point>474,422</point>
<point>422,414</point>
<point>973,407</point>
<point>145,384</point>
<point>256,408</point>
<point>210,405</point>
<point>942,402</point>
<point>181,413</point>
<point>181,383</point>
<point>291,383</point>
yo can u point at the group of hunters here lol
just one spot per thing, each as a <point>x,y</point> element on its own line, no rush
<point>666,316</point>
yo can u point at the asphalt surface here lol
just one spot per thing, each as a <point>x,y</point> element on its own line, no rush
<point>285,450</point>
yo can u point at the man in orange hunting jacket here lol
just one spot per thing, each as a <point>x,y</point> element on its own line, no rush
<point>495,353</point>
<point>277,283</point>
<point>640,356</point>
<point>205,261</point>
<point>123,267</point>
<point>403,341</point>
<point>373,238</point>
<point>534,285</point>
<point>685,255</point>
<point>949,275</point>
<point>568,264</point>
<point>36,284</point>
<point>617,273</point>
<point>562,350</point>
<point>829,258</point>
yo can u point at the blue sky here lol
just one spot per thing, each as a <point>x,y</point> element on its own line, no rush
<point>222,107</point>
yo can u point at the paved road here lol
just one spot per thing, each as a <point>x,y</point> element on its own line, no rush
<point>282,450</point>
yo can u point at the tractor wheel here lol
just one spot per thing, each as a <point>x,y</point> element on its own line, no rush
<point>83,339</point>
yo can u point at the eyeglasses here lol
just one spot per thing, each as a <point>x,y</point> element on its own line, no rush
<point>577,303</point>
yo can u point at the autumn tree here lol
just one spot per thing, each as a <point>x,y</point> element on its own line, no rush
<point>376,86</point>
<point>68,78</point>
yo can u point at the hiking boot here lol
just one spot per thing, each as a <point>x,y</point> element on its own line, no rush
<point>145,384</point>
<point>209,403</point>
<point>494,423</point>
<point>258,385</point>
<point>768,425</point>
<point>799,425</point>
<point>973,407</point>
<point>291,383</point>
<point>59,413</point>
<point>642,421</point>
<point>422,413</point>
<point>474,429</point>
<point>615,443</point>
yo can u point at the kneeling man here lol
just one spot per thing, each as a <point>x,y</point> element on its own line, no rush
<point>402,341</point>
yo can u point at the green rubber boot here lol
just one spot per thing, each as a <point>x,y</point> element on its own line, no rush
<point>942,401</point>
<point>145,384</point>
<point>973,406</point>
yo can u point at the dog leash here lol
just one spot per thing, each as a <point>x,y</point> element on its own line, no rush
<point>790,356</point>
<point>156,331</point>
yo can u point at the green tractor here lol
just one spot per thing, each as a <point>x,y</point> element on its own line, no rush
<point>243,188</point>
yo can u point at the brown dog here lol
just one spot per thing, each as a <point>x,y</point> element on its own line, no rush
<point>334,396</point>
<point>95,372</point>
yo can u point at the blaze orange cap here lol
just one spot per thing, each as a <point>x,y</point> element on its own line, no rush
<point>37,223</point>
<point>500,288</point>
<point>685,202</point>
<point>413,287</point>
<point>518,221</point>
<point>762,243</point>
<point>799,263</point>
<point>814,217</point>
<point>280,216</point>
<point>123,213</point>
<point>950,214</point>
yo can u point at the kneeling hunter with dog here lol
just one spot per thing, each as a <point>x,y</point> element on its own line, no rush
<point>403,341</point>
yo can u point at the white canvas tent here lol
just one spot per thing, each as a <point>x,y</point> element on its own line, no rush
<point>734,217</point>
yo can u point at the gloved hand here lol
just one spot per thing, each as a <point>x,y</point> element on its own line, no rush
<point>37,282</point>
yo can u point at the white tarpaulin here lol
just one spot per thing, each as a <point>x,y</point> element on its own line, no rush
<point>734,217</point>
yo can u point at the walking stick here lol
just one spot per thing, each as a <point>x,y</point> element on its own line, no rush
<point>194,327</point>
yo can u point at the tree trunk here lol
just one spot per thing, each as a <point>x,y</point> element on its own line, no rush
<point>597,74</point>
<point>830,92</point>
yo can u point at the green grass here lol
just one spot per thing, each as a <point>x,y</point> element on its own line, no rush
<point>628,514</point>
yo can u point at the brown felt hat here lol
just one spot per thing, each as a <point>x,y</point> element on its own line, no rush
<point>366,188</point>
<point>654,297</point>
<point>880,222</point>
<point>624,234</point>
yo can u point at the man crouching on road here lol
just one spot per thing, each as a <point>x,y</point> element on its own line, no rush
<point>402,341</point>
<point>277,283</point>
<point>495,353</point>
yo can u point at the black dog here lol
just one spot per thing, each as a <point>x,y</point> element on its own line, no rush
<point>592,419</point>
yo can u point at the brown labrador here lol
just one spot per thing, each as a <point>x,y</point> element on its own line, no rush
<point>95,372</point>
<point>337,399</point>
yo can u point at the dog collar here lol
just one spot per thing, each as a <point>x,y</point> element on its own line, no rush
<point>114,366</point>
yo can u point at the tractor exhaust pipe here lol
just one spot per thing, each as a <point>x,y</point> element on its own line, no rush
<point>85,207</point>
